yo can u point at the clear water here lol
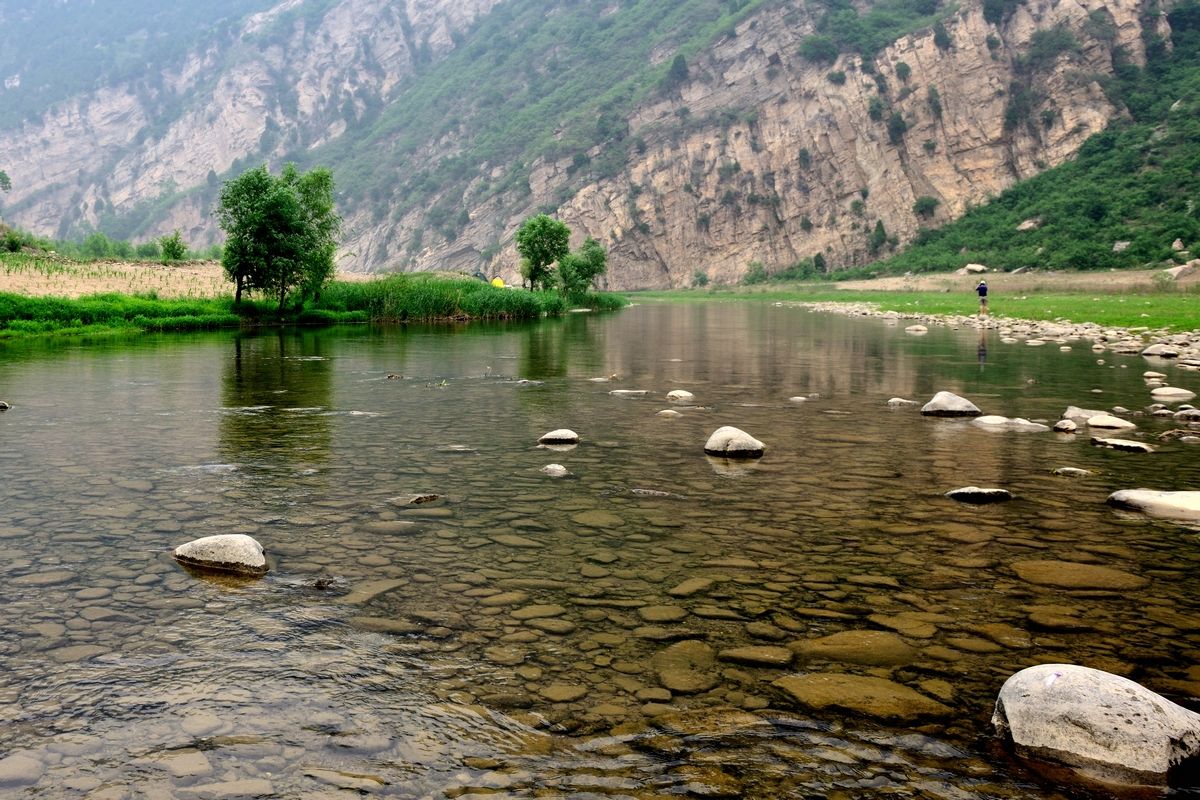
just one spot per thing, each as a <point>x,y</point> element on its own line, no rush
<point>506,640</point>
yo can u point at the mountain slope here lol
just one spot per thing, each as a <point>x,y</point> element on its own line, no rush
<point>687,136</point>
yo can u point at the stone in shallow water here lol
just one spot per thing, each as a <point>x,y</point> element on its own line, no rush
<point>758,656</point>
<point>227,790</point>
<point>1127,445</point>
<point>690,587</point>
<point>679,395</point>
<point>563,692</point>
<point>686,667</point>
<point>230,552</point>
<point>873,697</point>
<point>1073,575</point>
<point>873,648</point>
<point>731,442</point>
<point>948,404</point>
<point>20,770</point>
<point>1170,505</point>
<point>556,471</point>
<point>560,436</point>
<point>979,495</point>
<point>1103,725</point>
<point>662,613</point>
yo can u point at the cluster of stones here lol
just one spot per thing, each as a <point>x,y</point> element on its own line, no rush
<point>1161,343</point>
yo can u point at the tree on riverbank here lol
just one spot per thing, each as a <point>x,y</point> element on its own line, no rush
<point>543,242</point>
<point>281,232</point>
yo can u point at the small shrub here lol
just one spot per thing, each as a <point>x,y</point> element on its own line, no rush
<point>925,206</point>
<point>903,71</point>
<point>756,272</point>
<point>173,247</point>
<point>837,78</point>
<point>700,278</point>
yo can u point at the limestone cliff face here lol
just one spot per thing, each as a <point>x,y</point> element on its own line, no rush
<point>277,86</point>
<point>801,168</point>
<point>758,156</point>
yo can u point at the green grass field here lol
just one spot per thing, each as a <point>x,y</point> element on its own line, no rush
<point>1171,310</point>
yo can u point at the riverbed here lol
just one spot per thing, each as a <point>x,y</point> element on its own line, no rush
<point>636,629</point>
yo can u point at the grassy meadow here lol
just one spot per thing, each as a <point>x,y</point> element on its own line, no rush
<point>1122,299</point>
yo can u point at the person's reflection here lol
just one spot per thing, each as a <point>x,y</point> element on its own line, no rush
<point>981,351</point>
<point>276,393</point>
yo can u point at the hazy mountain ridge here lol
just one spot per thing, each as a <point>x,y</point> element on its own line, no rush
<point>771,161</point>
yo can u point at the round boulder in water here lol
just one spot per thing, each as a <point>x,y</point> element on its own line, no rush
<point>948,404</point>
<point>731,442</point>
<point>1099,724</point>
<point>1170,505</point>
<point>230,552</point>
<point>560,436</point>
<point>680,396</point>
<point>556,471</point>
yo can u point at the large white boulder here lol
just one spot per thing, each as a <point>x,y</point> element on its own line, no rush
<point>731,442</point>
<point>1080,416</point>
<point>948,404</point>
<point>679,395</point>
<point>229,552</point>
<point>1102,725</point>
<point>1171,505</point>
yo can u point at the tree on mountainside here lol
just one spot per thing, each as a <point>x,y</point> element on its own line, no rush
<point>281,231</point>
<point>541,241</point>
<point>5,183</point>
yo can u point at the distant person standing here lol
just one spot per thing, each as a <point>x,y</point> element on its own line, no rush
<point>981,290</point>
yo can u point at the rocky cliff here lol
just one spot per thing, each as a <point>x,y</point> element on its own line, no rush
<point>758,156</point>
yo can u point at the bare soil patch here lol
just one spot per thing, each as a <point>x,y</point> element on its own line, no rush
<point>1115,282</point>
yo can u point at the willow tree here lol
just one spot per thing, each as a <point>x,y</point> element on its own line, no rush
<point>281,232</point>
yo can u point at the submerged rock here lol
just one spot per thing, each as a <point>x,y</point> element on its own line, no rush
<point>948,404</point>
<point>900,402</point>
<point>978,495</point>
<point>560,436</point>
<point>730,442</point>
<point>1102,725</point>
<point>1171,505</point>
<point>1127,445</point>
<point>555,471</point>
<point>873,697</point>
<point>230,552</point>
<point>1072,472</point>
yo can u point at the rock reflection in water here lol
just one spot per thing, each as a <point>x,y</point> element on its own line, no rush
<point>631,632</point>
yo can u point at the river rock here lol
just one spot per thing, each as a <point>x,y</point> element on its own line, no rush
<point>680,396</point>
<point>668,413</point>
<point>1171,505</point>
<point>1109,421</point>
<point>1080,416</point>
<point>900,402</point>
<point>229,552</point>
<point>948,404</point>
<point>730,442</point>
<point>872,648</point>
<point>1072,472</point>
<point>1126,445</point>
<point>686,667</point>
<point>1102,725</point>
<point>995,422</point>
<point>555,471</point>
<point>4,406</point>
<point>1171,394</point>
<point>1065,426</point>
<point>19,769</point>
<point>758,655</point>
<point>560,436</point>
<point>1074,575</point>
<point>1161,350</point>
<point>873,697</point>
<point>979,496</point>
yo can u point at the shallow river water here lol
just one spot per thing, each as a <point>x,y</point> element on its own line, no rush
<point>629,631</point>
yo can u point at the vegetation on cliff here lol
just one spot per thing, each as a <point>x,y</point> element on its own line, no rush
<point>1128,195</point>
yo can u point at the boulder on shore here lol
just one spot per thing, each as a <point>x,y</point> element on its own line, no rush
<point>1102,725</point>
<point>731,442</point>
<point>948,404</point>
<point>230,552</point>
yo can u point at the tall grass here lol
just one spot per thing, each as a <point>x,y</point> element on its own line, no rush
<point>396,298</point>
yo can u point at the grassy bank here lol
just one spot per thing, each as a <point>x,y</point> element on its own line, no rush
<point>396,298</point>
<point>1172,310</point>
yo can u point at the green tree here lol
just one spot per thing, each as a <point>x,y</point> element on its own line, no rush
<point>677,74</point>
<point>925,206</point>
<point>577,271</point>
<point>173,247</point>
<point>5,183</point>
<point>281,232</point>
<point>541,241</point>
<point>819,49</point>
